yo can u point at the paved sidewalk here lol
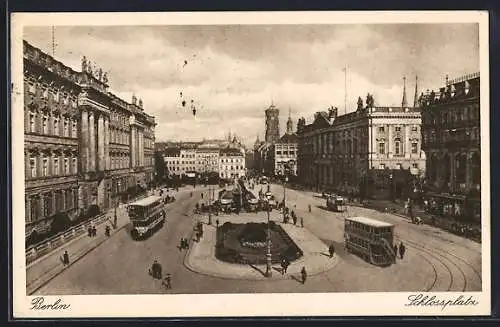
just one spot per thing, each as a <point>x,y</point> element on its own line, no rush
<point>201,256</point>
<point>45,268</point>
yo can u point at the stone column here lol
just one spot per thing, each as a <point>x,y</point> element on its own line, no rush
<point>92,150</point>
<point>407,141</point>
<point>100,143</point>
<point>132,147</point>
<point>390,140</point>
<point>106,144</point>
<point>468,171</point>
<point>84,141</point>
<point>142,148</point>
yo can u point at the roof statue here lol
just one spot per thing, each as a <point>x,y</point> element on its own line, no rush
<point>370,102</point>
<point>360,103</point>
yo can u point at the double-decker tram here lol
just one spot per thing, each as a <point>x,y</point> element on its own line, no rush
<point>370,239</point>
<point>147,215</point>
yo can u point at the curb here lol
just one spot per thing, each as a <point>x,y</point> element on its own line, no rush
<point>186,263</point>
<point>41,282</point>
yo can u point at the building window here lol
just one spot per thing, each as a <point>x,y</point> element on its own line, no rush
<point>45,167</point>
<point>397,147</point>
<point>381,166</point>
<point>73,129</point>
<point>381,129</point>
<point>381,148</point>
<point>397,128</point>
<point>414,147</point>
<point>45,124</point>
<point>56,126</point>
<point>398,166</point>
<point>55,171</point>
<point>414,128</point>
<point>66,128</point>
<point>32,167</point>
<point>75,167</point>
<point>66,166</point>
<point>414,165</point>
<point>32,122</point>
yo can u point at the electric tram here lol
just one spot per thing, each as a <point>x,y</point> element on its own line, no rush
<point>336,203</point>
<point>147,215</point>
<point>370,239</point>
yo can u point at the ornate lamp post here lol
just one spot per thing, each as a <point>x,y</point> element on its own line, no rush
<point>268,254</point>
<point>284,195</point>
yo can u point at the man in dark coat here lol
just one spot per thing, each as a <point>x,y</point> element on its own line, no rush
<point>303,274</point>
<point>331,250</point>
<point>402,250</point>
<point>65,258</point>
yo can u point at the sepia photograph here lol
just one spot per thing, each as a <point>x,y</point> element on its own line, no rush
<point>239,164</point>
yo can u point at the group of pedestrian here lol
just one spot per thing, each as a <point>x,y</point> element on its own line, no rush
<point>92,231</point>
<point>156,272</point>
<point>401,248</point>
<point>199,231</point>
<point>183,244</point>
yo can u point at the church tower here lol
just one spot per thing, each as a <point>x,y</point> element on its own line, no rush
<point>404,103</point>
<point>289,123</point>
<point>272,124</point>
<point>415,99</point>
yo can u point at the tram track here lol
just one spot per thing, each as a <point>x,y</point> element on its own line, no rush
<point>448,263</point>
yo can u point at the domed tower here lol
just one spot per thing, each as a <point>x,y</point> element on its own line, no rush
<point>272,124</point>
<point>289,123</point>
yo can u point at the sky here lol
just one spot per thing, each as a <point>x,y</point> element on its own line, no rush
<point>234,72</point>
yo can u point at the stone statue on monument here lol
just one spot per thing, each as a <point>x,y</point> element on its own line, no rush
<point>99,74</point>
<point>105,77</point>
<point>140,103</point>
<point>134,99</point>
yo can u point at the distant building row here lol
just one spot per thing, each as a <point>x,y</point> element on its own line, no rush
<point>226,158</point>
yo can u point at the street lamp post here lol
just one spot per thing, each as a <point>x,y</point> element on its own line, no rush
<point>268,254</point>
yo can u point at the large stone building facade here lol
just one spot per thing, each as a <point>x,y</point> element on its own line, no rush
<point>451,140</point>
<point>342,152</point>
<point>83,145</point>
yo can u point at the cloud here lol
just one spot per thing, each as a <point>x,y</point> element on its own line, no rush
<point>232,73</point>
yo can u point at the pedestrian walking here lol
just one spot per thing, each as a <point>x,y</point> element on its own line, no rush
<point>309,207</point>
<point>94,231</point>
<point>302,222</point>
<point>65,258</point>
<point>107,231</point>
<point>115,220</point>
<point>331,250</point>
<point>287,263</point>
<point>294,218</point>
<point>89,231</point>
<point>217,222</point>
<point>283,266</point>
<point>402,250</point>
<point>395,248</point>
<point>303,274</point>
<point>167,281</point>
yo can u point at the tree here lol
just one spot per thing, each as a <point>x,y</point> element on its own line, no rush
<point>160,168</point>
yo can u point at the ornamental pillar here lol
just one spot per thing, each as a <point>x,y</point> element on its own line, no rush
<point>100,143</point>
<point>92,143</point>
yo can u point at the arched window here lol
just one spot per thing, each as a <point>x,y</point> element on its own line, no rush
<point>446,168</point>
